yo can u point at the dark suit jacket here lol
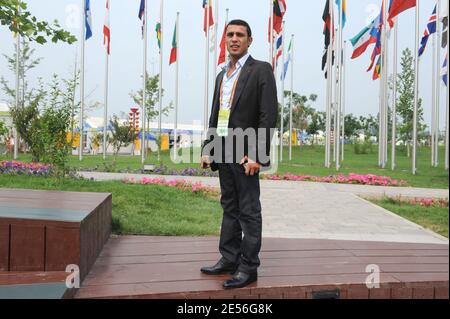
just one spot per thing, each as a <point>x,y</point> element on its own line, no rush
<point>254,106</point>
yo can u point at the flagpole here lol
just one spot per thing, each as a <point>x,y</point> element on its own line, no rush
<point>339,98</point>
<point>205,110</point>
<point>382,90</point>
<point>438,81</point>
<point>292,99</point>
<point>83,40</point>
<point>328,108</point>
<point>177,36</point>
<point>329,87</point>
<point>144,92</point>
<point>343,101</point>
<point>384,75</point>
<point>380,117</point>
<point>386,90</point>
<point>15,132</point>
<point>105,114</point>
<point>416,92</point>
<point>336,90</point>
<point>226,22</point>
<point>433,100</point>
<point>394,93</point>
<point>282,91</point>
<point>447,109</point>
<point>226,16</point>
<point>161,19</point>
<point>271,34</point>
<point>216,24</point>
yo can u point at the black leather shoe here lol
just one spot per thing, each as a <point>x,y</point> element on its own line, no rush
<point>240,279</point>
<point>222,267</point>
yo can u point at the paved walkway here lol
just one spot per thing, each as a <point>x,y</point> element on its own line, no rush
<point>326,211</point>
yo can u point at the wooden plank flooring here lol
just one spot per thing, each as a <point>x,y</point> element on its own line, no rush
<point>169,267</point>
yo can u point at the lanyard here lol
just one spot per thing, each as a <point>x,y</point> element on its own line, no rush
<point>233,90</point>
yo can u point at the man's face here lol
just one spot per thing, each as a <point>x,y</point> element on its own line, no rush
<point>238,40</point>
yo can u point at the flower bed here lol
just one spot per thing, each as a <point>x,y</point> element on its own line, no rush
<point>368,179</point>
<point>159,170</point>
<point>20,168</point>
<point>197,187</point>
<point>426,202</point>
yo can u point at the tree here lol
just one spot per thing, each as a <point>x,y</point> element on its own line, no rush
<point>321,119</point>
<point>26,63</point>
<point>3,133</point>
<point>151,99</point>
<point>314,126</point>
<point>25,115</point>
<point>122,135</point>
<point>301,111</point>
<point>351,126</point>
<point>14,15</point>
<point>405,104</point>
<point>55,123</point>
<point>369,125</point>
<point>27,122</point>
<point>96,141</point>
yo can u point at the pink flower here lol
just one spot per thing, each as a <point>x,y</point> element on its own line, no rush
<point>368,179</point>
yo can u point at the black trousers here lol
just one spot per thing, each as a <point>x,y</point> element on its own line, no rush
<point>240,237</point>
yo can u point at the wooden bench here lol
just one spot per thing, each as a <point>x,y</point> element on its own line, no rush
<point>44,231</point>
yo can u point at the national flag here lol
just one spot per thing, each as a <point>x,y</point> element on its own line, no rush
<point>212,39</point>
<point>141,15</point>
<point>279,46</point>
<point>223,49</point>
<point>173,52</point>
<point>327,31</point>
<point>430,29</point>
<point>88,19</point>
<point>207,6</point>
<point>141,10</point>
<point>158,34</point>
<point>443,15</point>
<point>286,64</point>
<point>376,50</point>
<point>377,71</point>
<point>376,34</point>
<point>444,31</point>
<point>364,38</point>
<point>279,9</point>
<point>397,7</point>
<point>444,70</point>
<point>107,30</point>
<point>344,10</point>
<point>326,17</point>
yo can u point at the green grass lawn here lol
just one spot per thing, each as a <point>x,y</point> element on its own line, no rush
<point>140,209</point>
<point>161,210</point>
<point>433,218</point>
<point>307,160</point>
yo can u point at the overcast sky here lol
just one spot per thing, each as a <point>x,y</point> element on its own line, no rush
<point>303,18</point>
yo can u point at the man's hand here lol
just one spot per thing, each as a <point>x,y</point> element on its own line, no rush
<point>205,162</point>
<point>251,167</point>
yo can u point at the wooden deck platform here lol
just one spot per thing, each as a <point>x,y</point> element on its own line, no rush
<point>169,267</point>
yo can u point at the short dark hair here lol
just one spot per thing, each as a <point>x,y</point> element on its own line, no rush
<point>241,23</point>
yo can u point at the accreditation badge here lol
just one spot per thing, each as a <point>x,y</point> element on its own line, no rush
<point>222,125</point>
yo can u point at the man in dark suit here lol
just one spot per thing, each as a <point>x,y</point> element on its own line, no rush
<point>241,126</point>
